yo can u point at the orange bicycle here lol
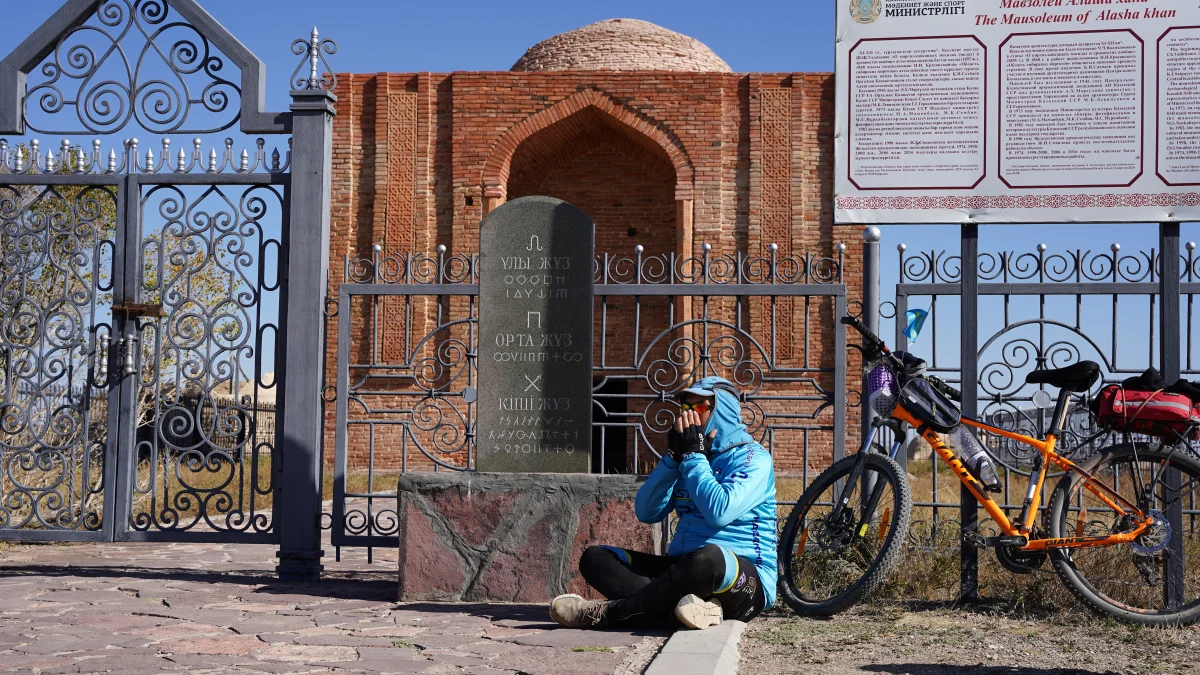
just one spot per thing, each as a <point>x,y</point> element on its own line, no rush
<point>1105,529</point>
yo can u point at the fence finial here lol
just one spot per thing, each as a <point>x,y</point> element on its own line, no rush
<point>314,53</point>
<point>311,49</point>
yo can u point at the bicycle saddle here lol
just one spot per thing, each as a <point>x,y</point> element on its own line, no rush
<point>1076,377</point>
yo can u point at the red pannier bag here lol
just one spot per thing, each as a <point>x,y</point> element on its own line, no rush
<point>1154,413</point>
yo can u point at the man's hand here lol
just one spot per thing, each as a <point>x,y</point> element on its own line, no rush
<point>686,436</point>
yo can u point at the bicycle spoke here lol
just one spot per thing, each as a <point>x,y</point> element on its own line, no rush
<point>1184,490</point>
<point>833,551</point>
<point>1133,575</point>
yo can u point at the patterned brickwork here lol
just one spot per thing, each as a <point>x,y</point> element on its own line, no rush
<point>400,191</point>
<point>775,121</point>
<point>752,154</point>
<point>401,184</point>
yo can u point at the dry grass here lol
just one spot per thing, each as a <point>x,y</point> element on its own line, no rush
<point>360,482</point>
<point>930,571</point>
<point>203,491</point>
<point>170,491</point>
<point>180,491</point>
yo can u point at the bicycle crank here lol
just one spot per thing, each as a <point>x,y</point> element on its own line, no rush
<point>1017,561</point>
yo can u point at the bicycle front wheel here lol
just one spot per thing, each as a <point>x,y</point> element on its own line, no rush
<point>830,558</point>
<point>1129,581</point>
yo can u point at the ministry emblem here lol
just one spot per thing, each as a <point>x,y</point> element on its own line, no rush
<point>865,11</point>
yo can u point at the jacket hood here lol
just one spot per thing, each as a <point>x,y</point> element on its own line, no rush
<point>726,420</point>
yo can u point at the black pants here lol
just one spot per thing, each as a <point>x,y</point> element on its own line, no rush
<point>647,587</point>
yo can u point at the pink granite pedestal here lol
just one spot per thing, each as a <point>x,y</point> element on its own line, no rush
<point>487,537</point>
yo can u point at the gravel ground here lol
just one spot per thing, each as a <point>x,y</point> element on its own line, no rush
<point>944,640</point>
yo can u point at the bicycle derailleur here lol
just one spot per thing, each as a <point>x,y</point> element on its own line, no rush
<point>1148,545</point>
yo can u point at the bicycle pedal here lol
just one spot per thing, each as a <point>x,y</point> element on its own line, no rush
<point>973,538</point>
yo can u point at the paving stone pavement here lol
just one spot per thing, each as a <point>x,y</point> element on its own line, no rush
<point>217,608</point>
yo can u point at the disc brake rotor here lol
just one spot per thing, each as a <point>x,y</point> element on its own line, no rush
<point>835,535</point>
<point>1155,538</point>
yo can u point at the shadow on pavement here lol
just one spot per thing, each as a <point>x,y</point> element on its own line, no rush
<point>945,669</point>
<point>380,586</point>
<point>535,613</point>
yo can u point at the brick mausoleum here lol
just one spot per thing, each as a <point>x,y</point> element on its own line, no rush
<point>646,130</point>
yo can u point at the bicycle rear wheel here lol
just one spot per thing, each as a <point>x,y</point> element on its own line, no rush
<point>1128,581</point>
<point>829,563</point>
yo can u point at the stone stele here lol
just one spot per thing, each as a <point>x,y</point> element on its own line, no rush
<point>535,338</point>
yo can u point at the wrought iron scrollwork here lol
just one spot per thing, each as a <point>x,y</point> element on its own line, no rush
<point>1063,307</point>
<point>205,376</point>
<point>133,63</point>
<point>408,402</point>
<point>411,268</point>
<point>56,253</point>
<point>1011,266</point>
<point>772,394</point>
<point>719,268</point>
<point>314,73</point>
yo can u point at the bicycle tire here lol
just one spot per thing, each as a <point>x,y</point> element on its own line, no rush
<point>887,558</point>
<point>1064,560</point>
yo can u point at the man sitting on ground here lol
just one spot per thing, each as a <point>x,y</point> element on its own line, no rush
<point>721,562</point>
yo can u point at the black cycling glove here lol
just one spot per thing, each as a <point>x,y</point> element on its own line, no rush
<point>689,441</point>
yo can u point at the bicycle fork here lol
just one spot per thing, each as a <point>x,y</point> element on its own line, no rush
<point>870,485</point>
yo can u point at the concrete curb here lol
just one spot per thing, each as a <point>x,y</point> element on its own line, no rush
<point>701,652</point>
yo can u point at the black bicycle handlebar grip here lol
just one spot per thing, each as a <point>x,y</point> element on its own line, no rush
<point>868,336</point>
<point>940,384</point>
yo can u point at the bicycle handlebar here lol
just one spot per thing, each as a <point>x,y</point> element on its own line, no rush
<point>875,344</point>
<point>873,341</point>
<point>940,385</point>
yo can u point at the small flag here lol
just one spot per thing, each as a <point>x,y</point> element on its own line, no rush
<point>916,319</point>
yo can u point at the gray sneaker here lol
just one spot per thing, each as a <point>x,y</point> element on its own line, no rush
<point>573,611</point>
<point>697,613</point>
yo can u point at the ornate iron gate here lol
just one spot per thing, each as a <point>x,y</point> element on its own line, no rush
<point>406,348</point>
<point>141,288</point>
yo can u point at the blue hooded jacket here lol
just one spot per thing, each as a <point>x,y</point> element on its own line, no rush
<point>727,499</point>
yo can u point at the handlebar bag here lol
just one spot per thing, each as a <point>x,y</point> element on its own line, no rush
<point>1154,413</point>
<point>914,366</point>
<point>929,406</point>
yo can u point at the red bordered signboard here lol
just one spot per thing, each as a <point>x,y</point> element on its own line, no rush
<point>1017,111</point>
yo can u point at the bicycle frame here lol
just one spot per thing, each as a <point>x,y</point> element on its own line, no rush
<point>1033,495</point>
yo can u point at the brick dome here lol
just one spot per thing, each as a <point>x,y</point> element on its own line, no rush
<point>621,44</point>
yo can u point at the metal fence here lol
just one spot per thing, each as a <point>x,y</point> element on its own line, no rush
<point>405,384</point>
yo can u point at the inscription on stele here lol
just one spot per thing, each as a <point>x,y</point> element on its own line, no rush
<point>535,338</point>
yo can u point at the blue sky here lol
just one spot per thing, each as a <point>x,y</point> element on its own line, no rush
<point>397,36</point>
<point>377,35</point>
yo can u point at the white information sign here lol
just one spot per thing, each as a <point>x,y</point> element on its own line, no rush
<point>1017,111</point>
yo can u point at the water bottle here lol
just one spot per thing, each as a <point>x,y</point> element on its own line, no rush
<point>975,456</point>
